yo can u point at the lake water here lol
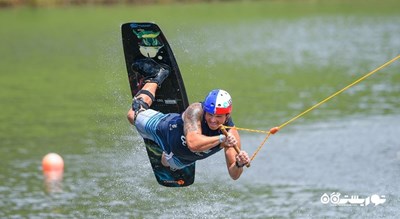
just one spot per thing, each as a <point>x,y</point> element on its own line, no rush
<point>357,156</point>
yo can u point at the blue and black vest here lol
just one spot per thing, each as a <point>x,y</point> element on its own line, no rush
<point>170,131</point>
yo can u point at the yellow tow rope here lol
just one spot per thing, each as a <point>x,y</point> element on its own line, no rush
<point>276,129</point>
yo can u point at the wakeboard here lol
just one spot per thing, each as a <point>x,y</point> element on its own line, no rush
<point>146,40</point>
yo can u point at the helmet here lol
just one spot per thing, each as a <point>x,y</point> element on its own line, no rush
<point>218,102</point>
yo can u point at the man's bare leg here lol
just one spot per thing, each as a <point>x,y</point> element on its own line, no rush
<point>151,87</point>
<point>154,75</point>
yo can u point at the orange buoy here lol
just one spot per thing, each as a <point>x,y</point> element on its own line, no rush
<point>52,162</point>
<point>53,171</point>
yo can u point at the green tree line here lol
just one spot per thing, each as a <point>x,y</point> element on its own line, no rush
<point>45,3</point>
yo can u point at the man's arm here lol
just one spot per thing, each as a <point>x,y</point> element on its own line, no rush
<point>195,141</point>
<point>231,157</point>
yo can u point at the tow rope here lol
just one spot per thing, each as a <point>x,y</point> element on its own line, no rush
<point>277,128</point>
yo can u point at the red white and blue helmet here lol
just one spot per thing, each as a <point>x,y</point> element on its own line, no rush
<point>218,102</point>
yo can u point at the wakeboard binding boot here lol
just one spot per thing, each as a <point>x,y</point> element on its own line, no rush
<point>152,71</point>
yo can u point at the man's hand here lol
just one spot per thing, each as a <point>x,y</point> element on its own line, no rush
<point>242,159</point>
<point>230,140</point>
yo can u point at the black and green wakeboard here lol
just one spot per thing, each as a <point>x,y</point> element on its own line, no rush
<point>146,40</point>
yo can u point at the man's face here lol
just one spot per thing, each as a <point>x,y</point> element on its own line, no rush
<point>214,120</point>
